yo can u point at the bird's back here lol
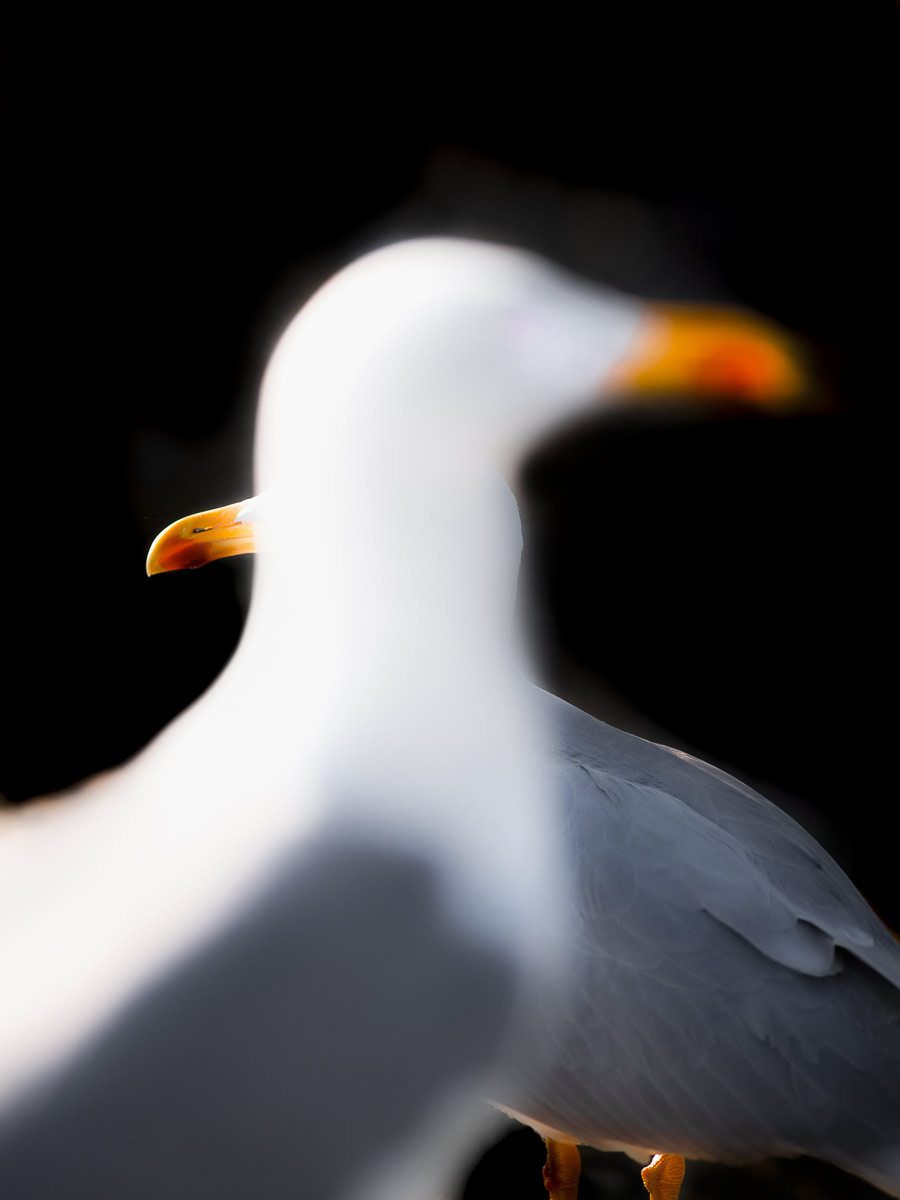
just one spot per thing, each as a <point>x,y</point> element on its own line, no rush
<point>734,996</point>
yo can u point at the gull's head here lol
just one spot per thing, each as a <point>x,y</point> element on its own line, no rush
<point>437,352</point>
<point>482,321</point>
<point>505,326</point>
<point>478,345</point>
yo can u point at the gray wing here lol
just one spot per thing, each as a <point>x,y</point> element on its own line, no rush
<point>764,876</point>
<point>734,995</point>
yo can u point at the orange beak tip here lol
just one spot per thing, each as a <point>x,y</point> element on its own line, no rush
<point>718,356</point>
<point>202,538</point>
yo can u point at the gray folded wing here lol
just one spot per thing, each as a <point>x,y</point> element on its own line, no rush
<point>734,996</point>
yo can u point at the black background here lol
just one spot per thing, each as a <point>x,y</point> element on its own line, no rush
<point>177,189</point>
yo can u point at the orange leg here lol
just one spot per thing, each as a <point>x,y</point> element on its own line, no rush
<point>561,1170</point>
<point>662,1178</point>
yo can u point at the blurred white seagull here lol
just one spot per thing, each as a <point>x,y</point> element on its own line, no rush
<point>372,872</point>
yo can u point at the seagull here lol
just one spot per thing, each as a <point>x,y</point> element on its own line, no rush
<point>730,994</point>
<point>616,943</point>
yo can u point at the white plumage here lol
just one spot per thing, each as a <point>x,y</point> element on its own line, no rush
<point>371,788</point>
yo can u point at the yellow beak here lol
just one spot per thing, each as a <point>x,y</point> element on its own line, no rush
<point>693,351</point>
<point>202,537</point>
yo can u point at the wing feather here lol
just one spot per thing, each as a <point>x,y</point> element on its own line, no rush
<point>735,996</point>
<point>760,872</point>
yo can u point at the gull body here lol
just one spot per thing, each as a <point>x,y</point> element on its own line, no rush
<point>342,788</point>
<point>557,905</point>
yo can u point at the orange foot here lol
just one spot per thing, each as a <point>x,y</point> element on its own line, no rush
<point>662,1178</point>
<point>561,1170</point>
